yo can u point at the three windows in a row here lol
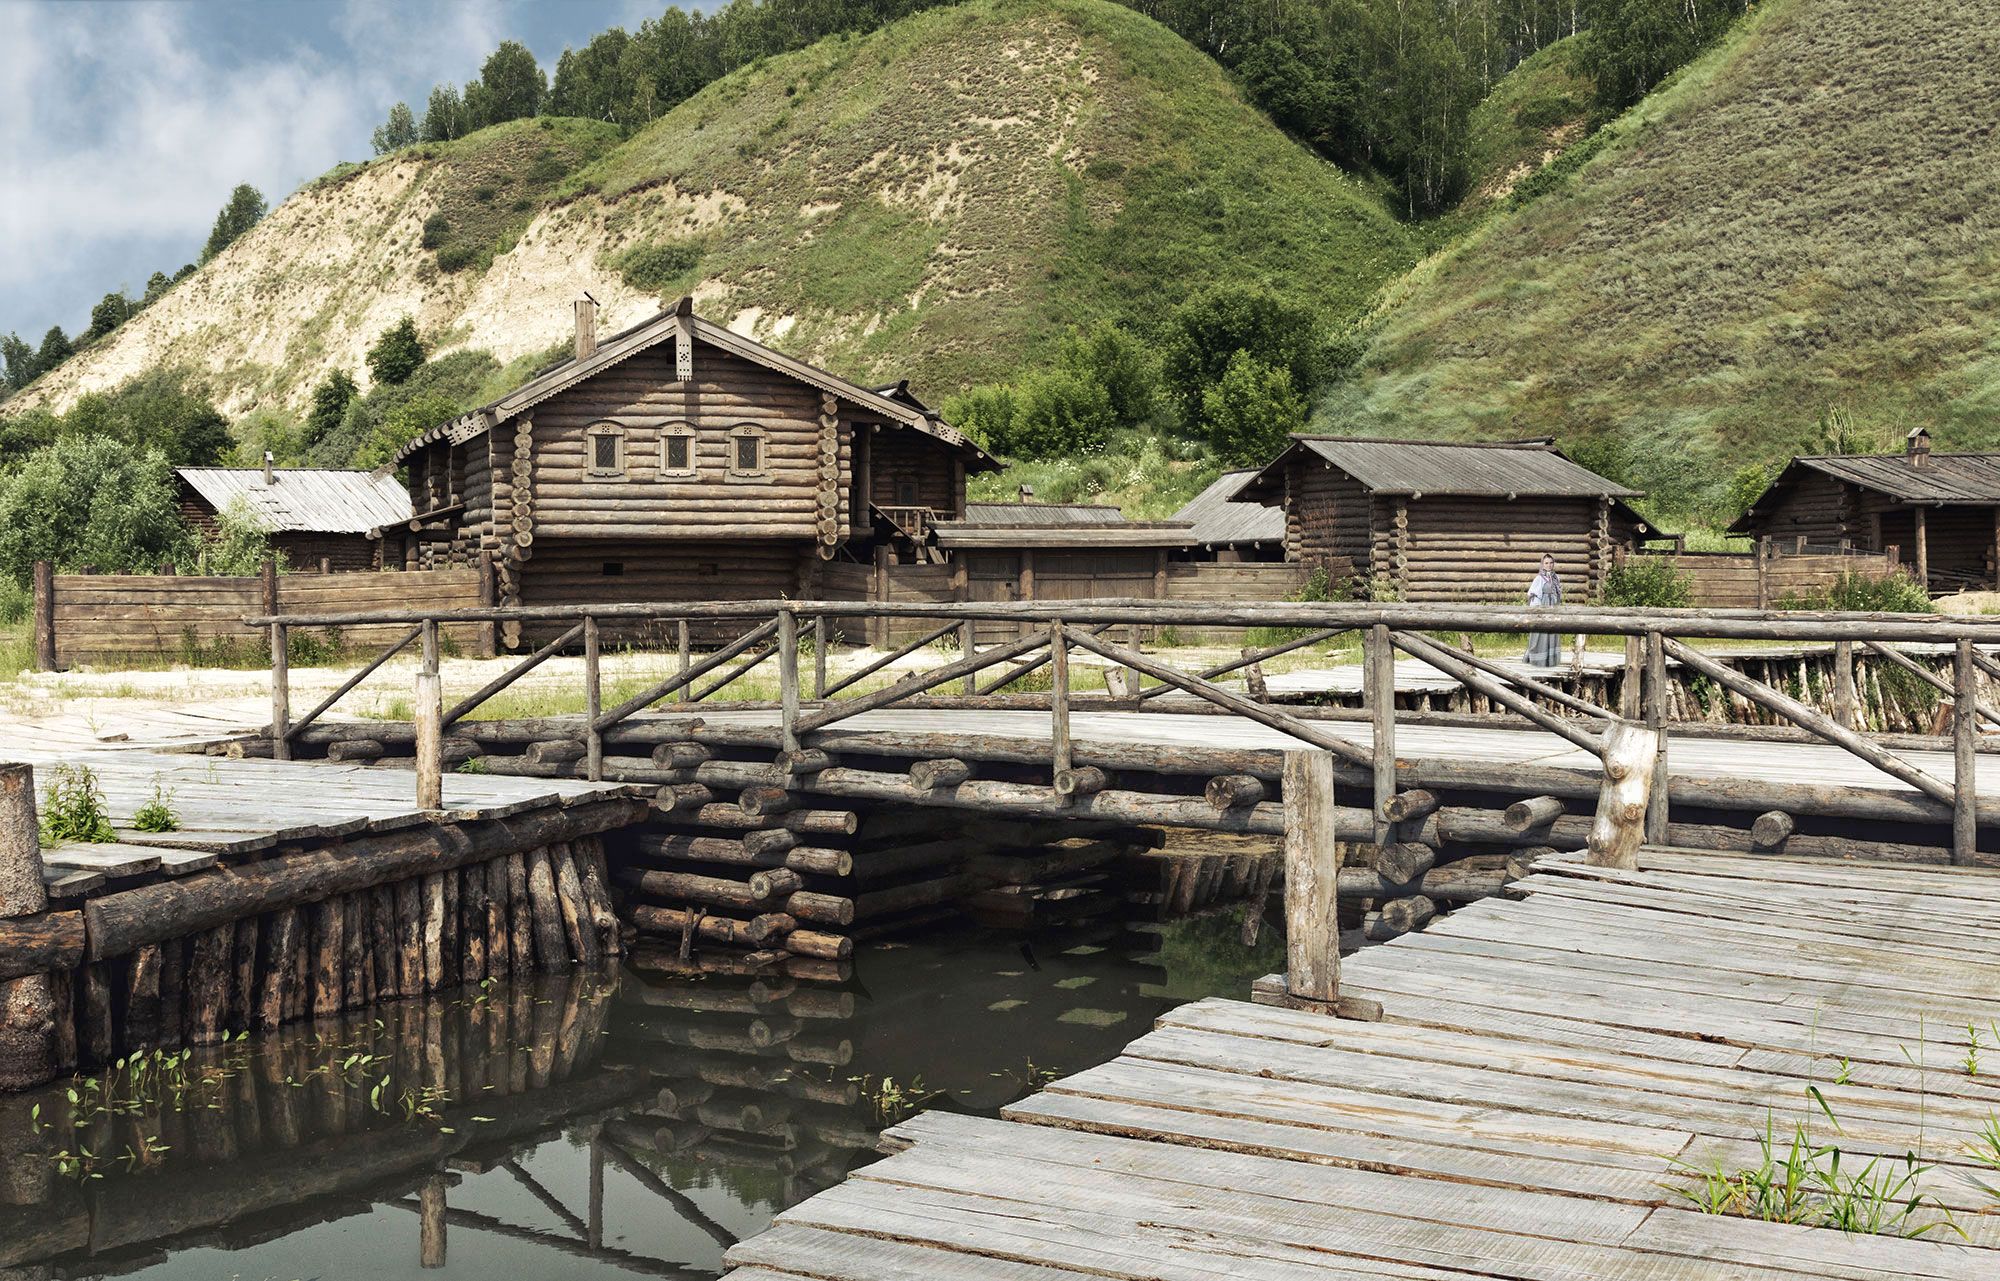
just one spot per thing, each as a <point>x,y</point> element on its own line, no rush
<point>745,451</point>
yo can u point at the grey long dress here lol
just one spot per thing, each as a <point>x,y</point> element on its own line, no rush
<point>1545,648</point>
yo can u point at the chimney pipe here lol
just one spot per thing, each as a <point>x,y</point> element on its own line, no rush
<point>586,328</point>
<point>1027,493</point>
<point>270,476</point>
<point>1917,447</point>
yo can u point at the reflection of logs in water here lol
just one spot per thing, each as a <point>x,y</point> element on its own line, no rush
<point>750,1075</point>
<point>347,1103</point>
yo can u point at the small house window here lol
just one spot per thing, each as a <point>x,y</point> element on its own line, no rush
<point>614,569</point>
<point>906,493</point>
<point>746,451</point>
<point>604,451</point>
<point>677,450</point>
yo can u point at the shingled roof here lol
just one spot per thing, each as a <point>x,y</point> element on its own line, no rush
<point>1510,469</point>
<point>304,500</point>
<point>623,345</point>
<point>1939,478</point>
<point>1057,525</point>
<point>1222,519</point>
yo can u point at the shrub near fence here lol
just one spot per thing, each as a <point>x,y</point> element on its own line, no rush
<point>100,618</point>
<point>1744,580</point>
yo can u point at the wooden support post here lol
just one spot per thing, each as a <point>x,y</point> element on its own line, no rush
<point>1634,679</point>
<point>686,656</point>
<point>1846,706</point>
<point>489,596</point>
<point>819,656</point>
<point>267,574</point>
<point>1763,555</point>
<point>1964,756</point>
<point>593,1235</point>
<point>430,1223</point>
<point>281,695</point>
<point>1378,693</point>
<point>968,644</point>
<point>878,625</point>
<point>788,681</point>
<point>1059,740</point>
<point>1923,548</point>
<point>1619,829</point>
<point>1025,587</point>
<point>593,701</point>
<point>28,1006</point>
<point>1312,879</point>
<point>45,616</point>
<point>428,713</point>
<point>1656,721</point>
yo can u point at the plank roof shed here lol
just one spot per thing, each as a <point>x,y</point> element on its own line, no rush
<point>304,500</point>
<point>1057,526</point>
<point>1430,468</point>
<point>1223,519</point>
<point>1934,479</point>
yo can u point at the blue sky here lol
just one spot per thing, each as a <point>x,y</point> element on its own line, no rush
<point>124,123</point>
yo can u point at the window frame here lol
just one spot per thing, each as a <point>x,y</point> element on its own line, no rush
<point>749,431</point>
<point>615,432</point>
<point>680,431</point>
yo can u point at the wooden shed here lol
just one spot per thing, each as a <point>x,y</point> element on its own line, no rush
<point>317,517</point>
<point>1057,551</point>
<point>1940,513</point>
<point>1437,521</point>
<point>678,460</point>
<point>1231,529</point>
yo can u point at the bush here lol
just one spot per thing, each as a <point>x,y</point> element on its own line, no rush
<point>1649,582</point>
<point>1206,333</point>
<point>1059,413</point>
<point>457,257</point>
<point>985,413</point>
<point>238,548</point>
<point>405,423</point>
<point>1896,593</point>
<point>15,600</point>
<point>458,377</point>
<point>398,353</point>
<point>437,230</point>
<point>1251,411</point>
<point>1126,368</point>
<point>654,267</point>
<point>95,502</point>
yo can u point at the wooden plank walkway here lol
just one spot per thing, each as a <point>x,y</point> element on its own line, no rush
<point>1688,756</point>
<point>1543,1070</point>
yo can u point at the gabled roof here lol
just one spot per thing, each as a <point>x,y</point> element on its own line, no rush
<point>1220,518</point>
<point>1510,469</point>
<point>304,500</point>
<point>1019,514</point>
<point>1057,526</point>
<point>664,327</point>
<point>1940,479</point>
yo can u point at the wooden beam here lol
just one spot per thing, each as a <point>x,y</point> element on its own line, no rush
<point>1312,879</point>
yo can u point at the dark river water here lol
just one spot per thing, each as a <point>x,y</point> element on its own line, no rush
<point>575,1126</point>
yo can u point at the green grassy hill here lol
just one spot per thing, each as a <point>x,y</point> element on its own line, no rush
<point>1805,219</point>
<point>937,200</point>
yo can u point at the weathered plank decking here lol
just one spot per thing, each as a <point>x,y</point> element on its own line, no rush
<point>1543,1069</point>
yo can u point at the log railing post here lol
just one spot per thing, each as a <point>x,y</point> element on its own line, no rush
<point>489,596</point>
<point>429,717</point>
<point>1622,805</point>
<point>1378,694</point>
<point>281,694</point>
<point>788,680</point>
<point>431,1222</point>
<point>1846,706</point>
<point>819,656</point>
<point>686,655</point>
<point>45,616</point>
<point>593,700</point>
<point>967,632</point>
<point>1633,681</point>
<point>28,1010</point>
<point>1656,721</point>
<point>1312,880</point>
<point>1059,742</point>
<point>1964,756</point>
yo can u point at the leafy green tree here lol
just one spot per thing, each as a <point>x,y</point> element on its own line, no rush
<point>157,410</point>
<point>245,210</point>
<point>399,130</point>
<point>405,423</point>
<point>463,377</point>
<point>511,86</point>
<point>444,115</point>
<point>237,549</point>
<point>156,284</point>
<point>1125,367</point>
<point>55,349</point>
<point>984,413</point>
<point>95,502</point>
<point>330,400</point>
<point>1059,413</point>
<point>112,310</point>
<point>1250,413</point>
<point>17,360</point>
<point>1629,46</point>
<point>398,353</point>
<point>1206,333</point>
<point>271,431</point>
<point>23,433</point>
<point>591,82</point>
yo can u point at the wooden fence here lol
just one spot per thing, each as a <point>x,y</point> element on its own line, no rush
<point>1764,578</point>
<point>81,618</point>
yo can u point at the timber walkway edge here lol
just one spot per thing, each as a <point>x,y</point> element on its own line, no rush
<point>1548,1071</point>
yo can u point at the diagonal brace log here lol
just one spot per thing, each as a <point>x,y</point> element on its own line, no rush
<point>465,705</point>
<point>1808,719</point>
<point>887,659</point>
<point>1253,656</point>
<point>1304,731</point>
<point>1927,676</point>
<point>640,702</point>
<point>918,682</point>
<point>1448,663</point>
<point>292,731</point>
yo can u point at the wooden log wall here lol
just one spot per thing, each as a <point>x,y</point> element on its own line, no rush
<point>1733,580</point>
<point>1488,549</point>
<point>593,570</point>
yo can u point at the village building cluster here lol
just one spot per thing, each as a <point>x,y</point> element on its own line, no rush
<point>679,460</point>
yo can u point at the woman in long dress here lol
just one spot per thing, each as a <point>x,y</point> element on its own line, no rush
<point>1545,648</point>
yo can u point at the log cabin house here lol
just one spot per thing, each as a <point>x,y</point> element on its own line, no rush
<point>1939,513</point>
<point>1230,529</point>
<point>318,518</point>
<point>1436,521</point>
<point>679,461</point>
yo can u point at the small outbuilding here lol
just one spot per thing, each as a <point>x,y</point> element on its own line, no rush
<point>1447,521</point>
<point>1230,529</point>
<point>1940,513</point>
<point>319,518</point>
